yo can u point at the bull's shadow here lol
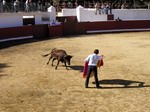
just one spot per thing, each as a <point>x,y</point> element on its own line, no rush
<point>120,83</point>
<point>2,66</point>
<point>76,67</point>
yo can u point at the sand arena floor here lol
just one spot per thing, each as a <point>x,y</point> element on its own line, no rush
<point>28,84</point>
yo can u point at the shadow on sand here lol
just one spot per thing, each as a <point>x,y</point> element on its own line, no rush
<point>11,43</point>
<point>115,83</point>
<point>2,66</point>
<point>77,67</point>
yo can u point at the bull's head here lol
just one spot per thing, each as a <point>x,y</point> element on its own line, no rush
<point>68,58</point>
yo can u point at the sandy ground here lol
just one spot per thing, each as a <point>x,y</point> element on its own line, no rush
<point>28,84</point>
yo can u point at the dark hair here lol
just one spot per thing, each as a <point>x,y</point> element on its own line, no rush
<point>96,51</point>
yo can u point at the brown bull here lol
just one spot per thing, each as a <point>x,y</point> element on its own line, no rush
<point>60,55</point>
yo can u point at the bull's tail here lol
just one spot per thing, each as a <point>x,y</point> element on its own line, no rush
<point>46,54</point>
<point>49,53</point>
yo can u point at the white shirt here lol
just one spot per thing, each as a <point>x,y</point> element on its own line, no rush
<point>93,59</point>
<point>4,2</point>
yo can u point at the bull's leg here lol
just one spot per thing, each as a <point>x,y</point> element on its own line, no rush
<point>57,64</point>
<point>49,60</point>
<point>53,61</point>
<point>66,66</point>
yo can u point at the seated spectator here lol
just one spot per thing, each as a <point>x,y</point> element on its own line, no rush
<point>55,23</point>
<point>118,19</point>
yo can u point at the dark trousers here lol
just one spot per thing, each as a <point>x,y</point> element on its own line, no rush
<point>90,69</point>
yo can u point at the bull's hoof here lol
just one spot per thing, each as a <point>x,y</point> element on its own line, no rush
<point>141,84</point>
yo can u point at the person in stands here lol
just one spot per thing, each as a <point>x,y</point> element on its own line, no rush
<point>16,5</point>
<point>97,8</point>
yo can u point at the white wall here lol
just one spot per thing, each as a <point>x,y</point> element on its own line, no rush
<point>16,19</point>
<point>10,20</point>
<point>84,14</point>
<point>68,12</point>
<point>132,14</point>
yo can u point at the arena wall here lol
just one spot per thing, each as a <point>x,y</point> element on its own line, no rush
<point>82,14</point>
<point>72,28</point>
<point>24,32</point>
<point>86,14</point>
<point>70,25</point>
<point>17,19</point>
